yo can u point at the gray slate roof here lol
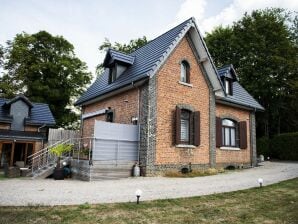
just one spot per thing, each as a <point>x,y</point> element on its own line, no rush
<point>145,60</point>
<point>114,55</point>
<point>40,113</point>
<point>240,95</point>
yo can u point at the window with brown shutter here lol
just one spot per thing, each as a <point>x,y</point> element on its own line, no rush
<point>243,134</point>
<point>187,128</point>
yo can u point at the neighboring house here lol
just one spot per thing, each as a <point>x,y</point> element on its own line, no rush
<point>189,111</point>
<point>23,129</point>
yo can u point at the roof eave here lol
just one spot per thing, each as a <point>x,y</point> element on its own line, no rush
<point>131,85</point>
<point>239,105</point>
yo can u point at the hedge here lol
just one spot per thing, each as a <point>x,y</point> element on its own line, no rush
<point>283,146</point>
<point>263,147</point>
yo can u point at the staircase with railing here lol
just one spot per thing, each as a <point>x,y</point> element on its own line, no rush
<point>43,162</point>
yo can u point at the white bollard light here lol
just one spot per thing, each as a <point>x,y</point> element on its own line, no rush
<point>260,181</point>
<point>138,195</point>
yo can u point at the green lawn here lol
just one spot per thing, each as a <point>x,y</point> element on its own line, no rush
<point>277,203</point>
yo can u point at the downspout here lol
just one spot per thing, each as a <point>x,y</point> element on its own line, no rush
<point>38,130</point>
<point>139,126</point>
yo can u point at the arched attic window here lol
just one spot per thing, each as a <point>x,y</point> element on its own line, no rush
<point>184,72</point>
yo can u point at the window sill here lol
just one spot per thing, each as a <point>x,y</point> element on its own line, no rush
<point>229,148</point>
<point>185,146</point>
<point>185,84</point>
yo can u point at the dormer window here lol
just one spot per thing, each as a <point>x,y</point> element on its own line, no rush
<point>228,87</point>
<point>184,72</point>
<point>117,62</point>
<point>112,74</point>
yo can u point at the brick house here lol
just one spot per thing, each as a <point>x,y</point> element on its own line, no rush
<point>188,111</point>
<point>23,129</point>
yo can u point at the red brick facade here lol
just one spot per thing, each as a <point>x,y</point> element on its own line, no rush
<point>170,93</point>
<point>241,156</point>
<point>125,106</point>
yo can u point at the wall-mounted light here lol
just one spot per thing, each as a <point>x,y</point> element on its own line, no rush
<point>134,120</point>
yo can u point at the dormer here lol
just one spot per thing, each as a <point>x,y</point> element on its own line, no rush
<point>117,62</point>
<point>18,109</point>
<point>228,76</point>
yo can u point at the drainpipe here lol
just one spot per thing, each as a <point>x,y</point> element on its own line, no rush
<point>42,126</point>
<point>139,126</point>
<point>38,130</point>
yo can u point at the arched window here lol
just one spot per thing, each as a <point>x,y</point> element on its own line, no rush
<point>184,73</point>
<point>229,133</point>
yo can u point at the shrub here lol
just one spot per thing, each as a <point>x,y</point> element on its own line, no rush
<point>285,146</point>
<point>263,147</point>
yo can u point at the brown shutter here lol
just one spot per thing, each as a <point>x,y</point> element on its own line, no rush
<point>243,134</point>
<point>196,128</point>
<point>218,132</point>
<point>178,126</point>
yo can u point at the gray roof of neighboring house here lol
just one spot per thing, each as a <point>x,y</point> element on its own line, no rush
<point>145,61</point>
<point>40,113</point>
<point>22,135</point>
<point>240,95</point>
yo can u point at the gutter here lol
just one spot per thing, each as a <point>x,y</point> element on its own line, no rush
<point>113,92</point>
<point>239,105</point>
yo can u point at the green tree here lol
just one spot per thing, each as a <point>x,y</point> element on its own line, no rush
<point>45,69</point>
<point>263,49</point>
<point>125,48</point>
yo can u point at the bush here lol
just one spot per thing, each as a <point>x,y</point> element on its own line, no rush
<point>285,146</point>
<point>263,147</point>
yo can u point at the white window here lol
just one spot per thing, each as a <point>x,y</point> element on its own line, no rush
<point>185,124</point>
<point>228,87</point>
<point>184,72</point>
<point>229,132</point>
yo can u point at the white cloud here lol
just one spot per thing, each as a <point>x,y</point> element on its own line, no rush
<point>191,8</point>
<point>232,12</point>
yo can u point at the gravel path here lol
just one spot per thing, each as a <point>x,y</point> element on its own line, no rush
<point>19,192</point>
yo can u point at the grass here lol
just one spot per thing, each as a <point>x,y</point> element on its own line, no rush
<point>277,203</point>
<point>195,173</point>
<point>2,177</point>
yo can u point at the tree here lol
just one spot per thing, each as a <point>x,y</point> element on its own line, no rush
<point>45,69</point>
<point>125,48</point>
<point>263,49</point>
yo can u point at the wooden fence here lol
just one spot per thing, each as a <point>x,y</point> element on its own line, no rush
<point>56,135</point>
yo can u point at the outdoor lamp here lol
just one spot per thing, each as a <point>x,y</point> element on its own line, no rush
<point>138,194</point>
<point>64,163</point>
<point>260,181</point>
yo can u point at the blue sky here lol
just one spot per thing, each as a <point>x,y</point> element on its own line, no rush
<point>86,23</point>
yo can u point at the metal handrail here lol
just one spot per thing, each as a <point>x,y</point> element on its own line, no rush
<point>44,157</point>
<point>44,149</point>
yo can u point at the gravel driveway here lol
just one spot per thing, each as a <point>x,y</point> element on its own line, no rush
<point>19,192</point>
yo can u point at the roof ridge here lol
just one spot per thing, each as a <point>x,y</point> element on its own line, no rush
<point>172,45</point>
<point>191,18</point>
